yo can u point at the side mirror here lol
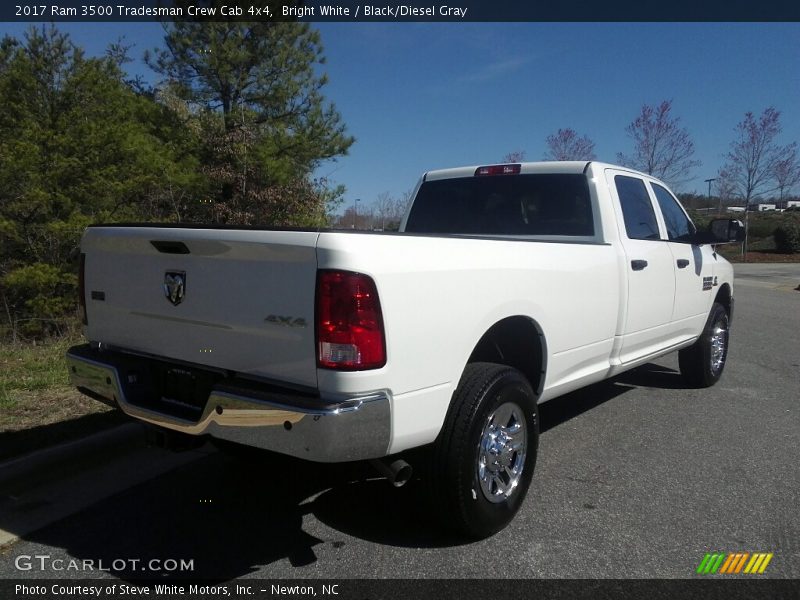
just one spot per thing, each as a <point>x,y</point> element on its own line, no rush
<point>726,231</point>
<point>720,231</point>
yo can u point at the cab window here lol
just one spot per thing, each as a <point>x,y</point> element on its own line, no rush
<point>637,210</point>
<point>545,204</point>
<point>679,227</point>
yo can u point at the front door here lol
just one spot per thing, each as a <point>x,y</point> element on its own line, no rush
<point>694,281</point>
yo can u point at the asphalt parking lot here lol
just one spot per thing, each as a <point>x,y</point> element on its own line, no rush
<point>636,478</point>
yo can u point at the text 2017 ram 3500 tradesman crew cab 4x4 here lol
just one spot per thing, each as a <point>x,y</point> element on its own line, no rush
<point>506,286</point>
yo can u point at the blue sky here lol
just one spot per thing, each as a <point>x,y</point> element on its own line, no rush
<point>426,96</point>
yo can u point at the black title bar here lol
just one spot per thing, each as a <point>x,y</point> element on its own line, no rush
<point>441,589</point>
<point>402,10</point>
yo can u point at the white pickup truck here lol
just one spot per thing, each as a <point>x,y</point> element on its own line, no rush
<point>507,285</point>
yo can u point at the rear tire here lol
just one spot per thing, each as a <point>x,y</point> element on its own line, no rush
<point>702,363</point>
<point>483,460</point>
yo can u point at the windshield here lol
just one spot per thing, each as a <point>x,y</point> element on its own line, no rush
<point>541,204</point>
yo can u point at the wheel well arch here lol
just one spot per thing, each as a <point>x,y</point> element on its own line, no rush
<point>724,297</point>
<point>517,342</point>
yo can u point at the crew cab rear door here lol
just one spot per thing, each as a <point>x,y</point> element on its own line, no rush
<point>648,268</point>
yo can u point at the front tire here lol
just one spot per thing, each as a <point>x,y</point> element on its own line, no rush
<point>702,363</point>
<point>483,460</point>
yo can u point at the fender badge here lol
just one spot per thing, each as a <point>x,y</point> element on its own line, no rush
<point>286,321</point>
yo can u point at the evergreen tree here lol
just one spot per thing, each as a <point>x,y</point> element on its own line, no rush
<point>77,145</point>
<point>266,126</point>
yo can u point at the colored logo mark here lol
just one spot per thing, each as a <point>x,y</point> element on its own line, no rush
<point>733,563</point>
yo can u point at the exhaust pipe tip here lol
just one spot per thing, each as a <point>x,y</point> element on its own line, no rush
<point>402,473</point>
<point>398,472</point>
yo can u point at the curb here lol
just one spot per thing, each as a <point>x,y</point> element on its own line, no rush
<point>45,459</point>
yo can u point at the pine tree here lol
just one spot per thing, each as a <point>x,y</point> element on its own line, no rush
<point>261,78</point>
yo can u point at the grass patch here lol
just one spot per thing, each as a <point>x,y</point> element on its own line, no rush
<point>38,406</point>
<point>733,253</point>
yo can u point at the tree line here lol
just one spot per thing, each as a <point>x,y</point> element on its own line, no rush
<point>232,134</point>
<point>755,165</point>
<point>385,213</point>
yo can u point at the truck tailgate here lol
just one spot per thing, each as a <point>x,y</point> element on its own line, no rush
<point>247,302</point>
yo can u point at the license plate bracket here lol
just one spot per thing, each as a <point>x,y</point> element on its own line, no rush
<point>179,385</point>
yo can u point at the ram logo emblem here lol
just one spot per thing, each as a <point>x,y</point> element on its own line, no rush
<point>175,286</point>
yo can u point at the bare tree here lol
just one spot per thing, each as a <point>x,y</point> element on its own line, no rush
<point>388,211</point>
<point>754,154</point>
<point>404,203</point>
<point>565,144</point>
<point>661,147</point>
<point>362,218</point>
<point>514,157</point>
<point>398,211</point>
<point>385,213</point>
<point>787,171</point>
<point>385,208</point>
<point>726,188</point>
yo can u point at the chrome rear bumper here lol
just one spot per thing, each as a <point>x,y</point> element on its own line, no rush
<point>341,429</point>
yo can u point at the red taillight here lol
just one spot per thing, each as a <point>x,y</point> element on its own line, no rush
<point>82,289</point>
<point>349,322</point>
<point>498,170</point>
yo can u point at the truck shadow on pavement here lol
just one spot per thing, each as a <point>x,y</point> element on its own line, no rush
<point>652,375</point>
<point>18,443</point>
<point>233,515</point>
<point>228,516</point>
<point>569,406</point>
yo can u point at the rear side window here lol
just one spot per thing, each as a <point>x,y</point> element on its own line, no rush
<point>537,204</point>
<point>679,227</point>
<point>637,210</point>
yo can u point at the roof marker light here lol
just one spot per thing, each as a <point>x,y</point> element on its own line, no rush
<point>498,170</point>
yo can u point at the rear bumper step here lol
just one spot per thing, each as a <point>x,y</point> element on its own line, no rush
<point>342,429</point>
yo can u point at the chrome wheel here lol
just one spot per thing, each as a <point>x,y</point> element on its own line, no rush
<point>501,452</point>
<point>719,343</point>
<point>483,460</point>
